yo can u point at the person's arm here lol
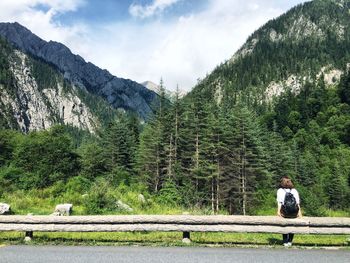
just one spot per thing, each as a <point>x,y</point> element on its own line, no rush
<point>279,199</point>
<point>279,205</point>
<point>298,202</point>
<point>299,213</point>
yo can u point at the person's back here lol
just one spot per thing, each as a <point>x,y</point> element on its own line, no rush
<point>288,205</point>
<point>289,201</point>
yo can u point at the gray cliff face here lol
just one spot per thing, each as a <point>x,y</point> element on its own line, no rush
<point>32,108</point>
<point>120,93</point>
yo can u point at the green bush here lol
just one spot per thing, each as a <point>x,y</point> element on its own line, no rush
<point>119,176</point>
<point>100,199</point>
<point>78,184</point>
<point>170,194</point>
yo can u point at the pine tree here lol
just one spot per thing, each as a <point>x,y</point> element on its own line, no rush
<point>148,156</point>
<point>217,151</point>
<point>119,145</point>
<point>246,156</point>
<point>152,157</point>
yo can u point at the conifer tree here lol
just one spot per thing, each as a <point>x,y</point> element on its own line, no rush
<point>119,145</point>
<point>148,156</point>
<point>151,160</point>
<point>247,171</point>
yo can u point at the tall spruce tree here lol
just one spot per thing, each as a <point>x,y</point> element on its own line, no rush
<point>152,156</point>
<point>247,172</point>
<point>119,145</point>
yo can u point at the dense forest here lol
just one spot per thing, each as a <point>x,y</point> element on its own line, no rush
<point>197,155</point>
<point>231,158</point>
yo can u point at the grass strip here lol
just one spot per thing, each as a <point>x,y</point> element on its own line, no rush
<point>173,239</point>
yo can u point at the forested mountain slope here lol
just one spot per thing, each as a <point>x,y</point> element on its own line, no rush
<point>310,40</point>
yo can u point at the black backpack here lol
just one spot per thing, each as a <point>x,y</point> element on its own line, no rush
<point>290,207</point>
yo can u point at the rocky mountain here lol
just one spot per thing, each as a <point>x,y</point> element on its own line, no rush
<point>151,86</point>
<point>308,43</point>
<point>120,93</point>
<point>155,87</point>
<point>35,96</point>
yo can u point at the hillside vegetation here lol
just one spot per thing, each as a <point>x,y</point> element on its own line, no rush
<point>192,156</point>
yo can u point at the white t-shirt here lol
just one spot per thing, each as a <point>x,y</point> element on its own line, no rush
<point>282,192</point>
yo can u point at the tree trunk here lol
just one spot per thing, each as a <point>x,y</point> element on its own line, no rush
<point>212,196</point>
<point>218,186</point>
<point>197,158</point>
<point>176,129</point>
<point>170,157</point>
<point>157,172</point>
<point>244,194</point>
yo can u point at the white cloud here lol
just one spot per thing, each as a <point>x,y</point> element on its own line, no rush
<point>42,22</point>
<point>155,8</point>
<point>15,8</point>
<point>184,50</point>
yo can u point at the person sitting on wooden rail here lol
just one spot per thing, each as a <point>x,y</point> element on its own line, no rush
<point>288,205</point>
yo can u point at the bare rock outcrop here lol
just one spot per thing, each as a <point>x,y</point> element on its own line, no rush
<point>4,208</point>
<point>63,210</point>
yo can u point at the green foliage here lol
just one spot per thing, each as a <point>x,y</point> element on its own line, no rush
<point>6,77</point>
<point>119,176</point>
<point>225,158</point>
<point>100,199</point>
<point>8,142</point>
<point>104,112</point>
<point>10,178</point>
<point>7,121</point>
<point>47,156</point>
<point>45,75</point>
<point>173,239</point>
<point>78,184</point>
<point>344,89</point>
<point>93,161</point>
<point>300,131</point>
<point>170,194</point>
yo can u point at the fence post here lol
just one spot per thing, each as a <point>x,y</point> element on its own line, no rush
<point>186,237</point>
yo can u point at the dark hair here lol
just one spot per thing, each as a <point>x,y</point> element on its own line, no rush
<point>286,182</point>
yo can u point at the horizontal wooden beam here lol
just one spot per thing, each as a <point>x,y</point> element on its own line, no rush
<point>169,228</point>
<point>178,219</point>
<point>329,221</point>
<point>177,223</point>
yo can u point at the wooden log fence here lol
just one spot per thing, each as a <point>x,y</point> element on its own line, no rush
<point>175,223</point>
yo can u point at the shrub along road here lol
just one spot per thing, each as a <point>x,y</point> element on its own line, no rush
<point>73,254</point>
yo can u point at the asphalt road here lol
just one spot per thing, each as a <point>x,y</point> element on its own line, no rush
<point>71,254</point>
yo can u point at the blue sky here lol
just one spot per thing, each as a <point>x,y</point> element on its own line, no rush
<point>177,40</point>
<point>109,11</point>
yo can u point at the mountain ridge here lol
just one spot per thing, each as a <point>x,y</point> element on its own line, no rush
<point>118,92</point>
<point>35,96</point>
